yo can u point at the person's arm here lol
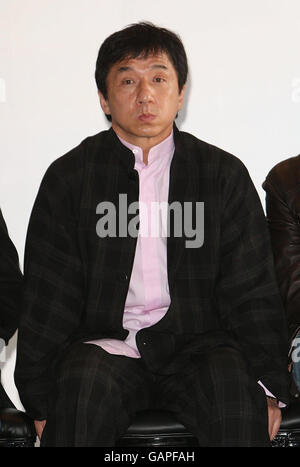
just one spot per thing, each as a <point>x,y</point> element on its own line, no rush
<point>274,412</point>
<point>249,300</point>
<point>284,228</point>
<point>248,297</point>
<point>10,284</point>
<point>53,290</point>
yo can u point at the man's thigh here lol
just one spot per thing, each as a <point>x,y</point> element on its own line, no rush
<point>218,400</point>
<point>95,397</point>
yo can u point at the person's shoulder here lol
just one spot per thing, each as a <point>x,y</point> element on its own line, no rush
<point>207,153</point>
<point>64,179</point>
<point>285,175</point>
<point>75,159</point>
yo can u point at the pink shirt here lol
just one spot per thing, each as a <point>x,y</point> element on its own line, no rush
<point>148,297</point>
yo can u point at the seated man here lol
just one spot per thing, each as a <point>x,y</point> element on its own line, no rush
<point>10,295</point>
<point>283,213</point>
<point>149,274</point>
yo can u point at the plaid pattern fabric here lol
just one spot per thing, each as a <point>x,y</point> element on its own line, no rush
<point>76,282</point>
<point>94,397</point>
<point>213,396</point>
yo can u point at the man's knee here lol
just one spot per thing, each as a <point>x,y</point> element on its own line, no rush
<point>227,361</point>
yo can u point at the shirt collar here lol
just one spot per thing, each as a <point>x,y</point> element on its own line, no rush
<point>163,150</point>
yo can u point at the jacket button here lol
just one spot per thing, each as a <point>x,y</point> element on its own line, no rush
<point>123,277</point>
<point>133,175</point>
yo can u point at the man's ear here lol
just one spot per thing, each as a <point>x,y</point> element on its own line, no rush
<point>181,97</point>
<point>104,103</point>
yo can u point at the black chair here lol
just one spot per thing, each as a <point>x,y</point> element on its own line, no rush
<point>161,429</point>
<point>289,434</point>
<point>16,429</point>
<point>151,428</point>
<point>156,429</point>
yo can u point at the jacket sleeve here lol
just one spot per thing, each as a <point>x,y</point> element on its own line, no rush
<point>284,231</point>
<point>10,284</point>
<point>249,300</point>
<point>53,292</point>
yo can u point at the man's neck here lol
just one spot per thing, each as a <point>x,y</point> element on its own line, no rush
<point>145,143</point>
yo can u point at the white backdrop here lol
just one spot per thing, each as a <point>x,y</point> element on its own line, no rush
<point>243,95</point>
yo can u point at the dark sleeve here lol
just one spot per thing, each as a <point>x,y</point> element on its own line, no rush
<point>53,293</point>
<point>285,238</point>
<point>249,299</point>
<point>10,284</point>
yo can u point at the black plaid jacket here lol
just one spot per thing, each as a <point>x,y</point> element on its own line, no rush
<point>76,283</point>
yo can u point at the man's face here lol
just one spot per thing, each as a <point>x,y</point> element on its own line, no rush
<point>143,99</point>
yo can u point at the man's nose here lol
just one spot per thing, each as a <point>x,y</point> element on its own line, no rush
<point>145,93</point>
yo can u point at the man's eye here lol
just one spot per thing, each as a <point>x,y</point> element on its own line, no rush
<point>158,79</point>
<point>127,81</point>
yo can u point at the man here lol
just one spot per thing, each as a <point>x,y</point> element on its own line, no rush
<point>115,319</point>
<point>10,295</point>
<point>283,207</point>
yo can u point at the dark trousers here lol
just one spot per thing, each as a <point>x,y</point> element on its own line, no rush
<point>97,395</point>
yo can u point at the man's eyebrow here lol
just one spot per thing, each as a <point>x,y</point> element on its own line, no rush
<point>162,67</point>
<point>125,68</point>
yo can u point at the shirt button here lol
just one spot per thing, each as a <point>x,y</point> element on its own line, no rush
<point>135,151</point>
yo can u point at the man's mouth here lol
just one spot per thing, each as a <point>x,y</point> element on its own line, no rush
<point>146,117</point>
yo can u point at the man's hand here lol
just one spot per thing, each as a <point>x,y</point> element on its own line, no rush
<point>274,414</point>
<point>39,427</point>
